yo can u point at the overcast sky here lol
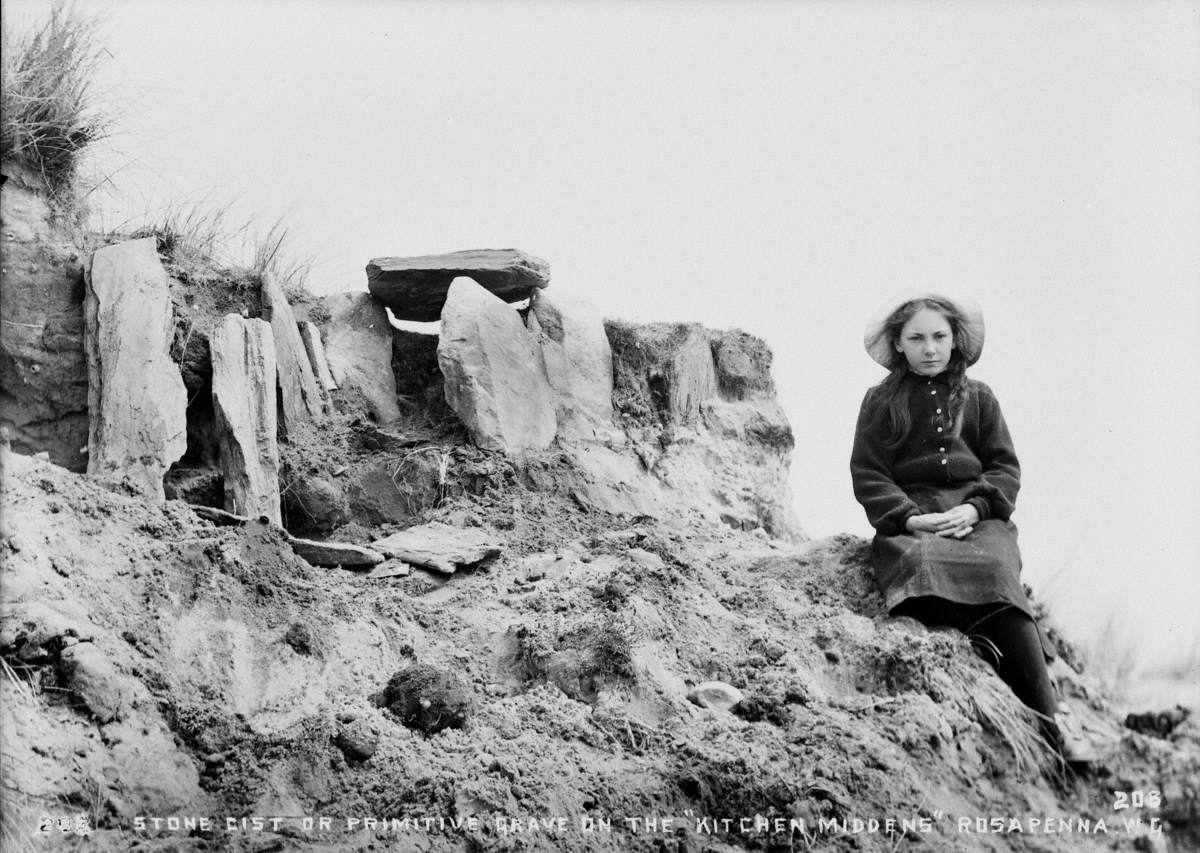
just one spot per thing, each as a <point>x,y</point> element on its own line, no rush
<point>777,167</point>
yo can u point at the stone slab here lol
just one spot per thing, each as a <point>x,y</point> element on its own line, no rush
<point>358,348</point>
<point>302,400</point>
<point>493,373</point>
<point>136,398</point>
<point>243,392</point>
<point>439,546</point>
<point>311,335</point>
<point>334,553</point>
<point>415,288</point>
<point>578,363</point>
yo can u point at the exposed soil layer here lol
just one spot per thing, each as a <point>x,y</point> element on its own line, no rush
<point>162,666</point>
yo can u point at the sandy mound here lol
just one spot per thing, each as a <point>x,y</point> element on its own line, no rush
<point>161,666</point>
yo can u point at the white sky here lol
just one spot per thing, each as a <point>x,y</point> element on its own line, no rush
<point>778,167</point>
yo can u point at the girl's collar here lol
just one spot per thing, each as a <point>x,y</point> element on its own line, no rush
<point>942,378</point>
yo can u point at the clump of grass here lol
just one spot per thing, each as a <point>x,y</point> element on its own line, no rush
<point>271,251</point>
<point>201,243</point>
<point>1005,716</point>
<point>48,109</point>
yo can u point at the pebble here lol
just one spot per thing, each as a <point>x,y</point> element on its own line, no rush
<point>716,695</point>
<point>357,740</point>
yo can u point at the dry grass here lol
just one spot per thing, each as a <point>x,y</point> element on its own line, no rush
<point>48,109</point>
<point>202,239</point>
<point>1005,716</point>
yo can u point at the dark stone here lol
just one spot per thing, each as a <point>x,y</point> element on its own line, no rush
<point>300,637</point>
<point>415,288</point>
<point>429,699</point>
<point>357,740</point>
<point>313,505</point>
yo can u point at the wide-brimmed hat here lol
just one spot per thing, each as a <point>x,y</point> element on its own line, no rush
<point>878,346</point>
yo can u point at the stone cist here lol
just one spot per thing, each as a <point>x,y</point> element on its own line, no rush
<point>934,467</point>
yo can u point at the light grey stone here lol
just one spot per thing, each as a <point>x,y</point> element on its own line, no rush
<point>311,335</point>
<point>136,398</point>
<point>91,676</point>
<point>716,695</point>
<point>578,364</point>
<point>358,347</point>
<point>243,389</point>
<point>301,395</point>
<point>494,378</point>
<point>439,546</point>
<point>321,553</point>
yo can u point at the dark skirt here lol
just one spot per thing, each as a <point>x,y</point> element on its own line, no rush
<point>983,568</point>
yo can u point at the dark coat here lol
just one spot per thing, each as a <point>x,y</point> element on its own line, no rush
<point>938,466</point>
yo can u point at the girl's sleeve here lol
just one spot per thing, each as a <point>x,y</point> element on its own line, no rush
<point>886,504</point>
<point>997,495</point>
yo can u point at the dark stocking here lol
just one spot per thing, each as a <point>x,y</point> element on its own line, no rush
<point>1021,666</point>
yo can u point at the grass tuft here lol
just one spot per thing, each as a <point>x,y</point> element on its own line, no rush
<point>201,243</point>
<point>48,111</point>
<point>1004,715</point>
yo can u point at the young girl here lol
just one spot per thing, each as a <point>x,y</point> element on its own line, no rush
<point>934,467</point>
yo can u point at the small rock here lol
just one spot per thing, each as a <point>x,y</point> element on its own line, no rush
<point>300,637</point>
<point>716,695</point>
<point>91,676</point>
<point>315,505</point>
<point>357,740</point>
<point>429,699</point>
<point>774,652</point>
<point>389,569</point>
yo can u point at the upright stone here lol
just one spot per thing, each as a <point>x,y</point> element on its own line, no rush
<point>243,389</point>
<point>493,372</point>
<point>358,346</point>
<point>311,336</point>
<point>301,394</point>
<point>578,362</point>
<point>416,288</point>
<point>136,399</point>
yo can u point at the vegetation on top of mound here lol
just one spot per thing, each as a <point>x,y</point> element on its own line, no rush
<point>48,106</point>
<point>201,245</point>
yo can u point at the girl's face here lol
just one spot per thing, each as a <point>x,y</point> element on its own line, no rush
<point>926,341</point>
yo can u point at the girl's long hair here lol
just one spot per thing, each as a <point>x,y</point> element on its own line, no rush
<point>892,388</point>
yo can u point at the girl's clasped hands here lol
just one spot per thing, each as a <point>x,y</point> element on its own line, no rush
<point>957,522</point>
